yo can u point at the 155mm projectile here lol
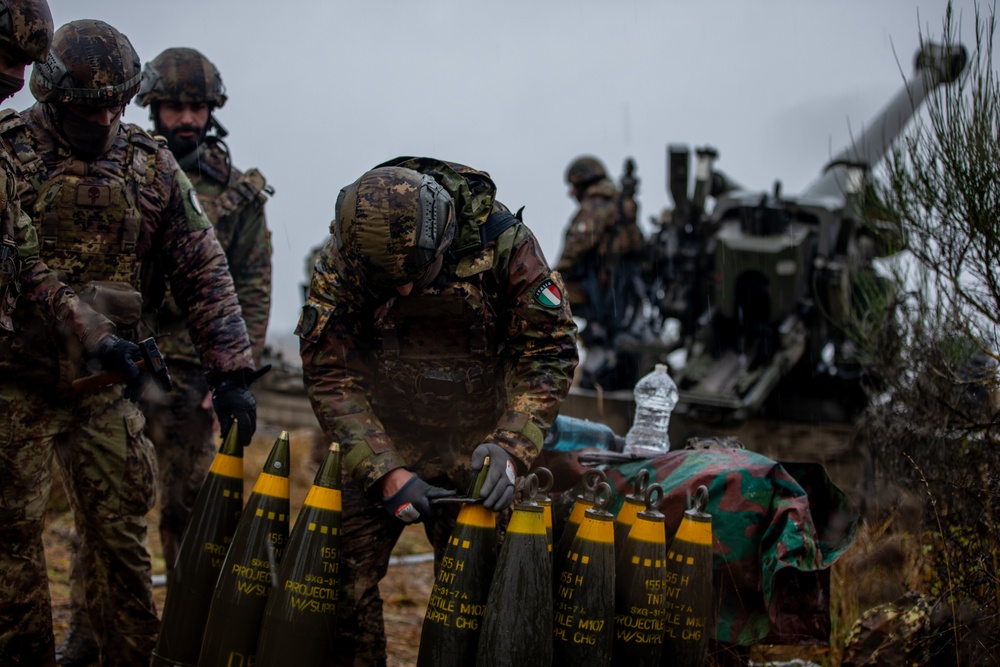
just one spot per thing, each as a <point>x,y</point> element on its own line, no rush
<point>688,588</point>
<point>301,613</point>
<point>639,601</point>
<point>202,551</point>
<point>517,626</point>
<point>452,622</point>
<point>250,568</point>
<point>584,601</point>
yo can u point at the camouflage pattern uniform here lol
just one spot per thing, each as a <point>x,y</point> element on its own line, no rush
<point>597,239</point>
<point>128,217</point>
<point>484,354</point>
<point>180,423</point>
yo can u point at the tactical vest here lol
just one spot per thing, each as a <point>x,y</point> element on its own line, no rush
<point>437,357</point>
<point>88,218</point>
<point>242,192</point>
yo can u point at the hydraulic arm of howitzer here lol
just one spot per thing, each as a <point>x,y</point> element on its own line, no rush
<point>934,65</point>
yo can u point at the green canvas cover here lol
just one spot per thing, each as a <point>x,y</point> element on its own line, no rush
<point>777,529</point>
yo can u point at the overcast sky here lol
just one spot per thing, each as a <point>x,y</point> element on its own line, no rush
<point>322,90</point>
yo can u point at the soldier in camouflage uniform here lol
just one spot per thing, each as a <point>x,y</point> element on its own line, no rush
<point>182,89</point>
<point>434,335</point>
<point>116,217</point>
<point>601,251</point>
<point>25,36</point>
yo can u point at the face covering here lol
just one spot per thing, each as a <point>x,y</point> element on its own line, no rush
<point>9,85</point>
<point>89,140</point>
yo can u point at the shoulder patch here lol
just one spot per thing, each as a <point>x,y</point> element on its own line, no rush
<point>195,214</point>
<point>195,203</point>
<point>548,294</point>
<point>310,316</point>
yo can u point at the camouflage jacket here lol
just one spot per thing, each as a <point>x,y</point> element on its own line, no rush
<point>234,202</point>
<point>595,235</point>
<point>56,303</point>
<point>173,240</point>
<point>536,334</point>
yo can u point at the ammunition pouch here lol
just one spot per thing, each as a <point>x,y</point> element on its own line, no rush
<point>433,394</point>
<point>119,302</point>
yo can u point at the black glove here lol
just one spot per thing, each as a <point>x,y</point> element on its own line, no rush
<point>498,488</point>
<point>119,356</point>
<point>232,400</point>
<point>413,501</point>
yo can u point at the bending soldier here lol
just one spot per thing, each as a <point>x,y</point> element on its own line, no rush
<point>115,216</point>
<point>434,334</point>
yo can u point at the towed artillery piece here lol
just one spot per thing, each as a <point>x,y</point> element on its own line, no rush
<point>759,289</point>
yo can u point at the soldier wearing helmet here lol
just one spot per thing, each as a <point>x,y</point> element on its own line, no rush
<point>25,37</point>
<point>183,89</point>
<point>600,251</point>
<point>116,218</point>
<point>434,335</point>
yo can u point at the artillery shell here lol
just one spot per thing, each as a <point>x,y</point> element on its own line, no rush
<point>453,619</point>
<point>202,551</point>
<point>584,603</point>
<point>250,567</point>
<point>639,601</point>
<point>301,613</point>
<point>517,625</point>
<point>688,588</point>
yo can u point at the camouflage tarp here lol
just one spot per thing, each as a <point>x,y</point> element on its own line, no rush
<point>777,528</point>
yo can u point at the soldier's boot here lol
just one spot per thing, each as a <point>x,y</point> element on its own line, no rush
<point>79,648</point>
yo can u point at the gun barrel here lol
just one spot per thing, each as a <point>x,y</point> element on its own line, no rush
<point>934,65</point>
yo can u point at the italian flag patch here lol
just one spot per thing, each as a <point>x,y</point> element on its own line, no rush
<point>548,295</point>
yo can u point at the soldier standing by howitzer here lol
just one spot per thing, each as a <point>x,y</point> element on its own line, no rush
<point>182,89</point>
<point>116,216</point>
<point>600,262</point>
<point>434,335</point>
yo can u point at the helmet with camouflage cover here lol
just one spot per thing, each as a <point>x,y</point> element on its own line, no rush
<point>181,75</point>
<point>26,28</point>
<point>392,224</point>
<point>585,170</point>
<point>91,63</point>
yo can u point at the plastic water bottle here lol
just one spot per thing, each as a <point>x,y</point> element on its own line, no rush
<point>655,398</point>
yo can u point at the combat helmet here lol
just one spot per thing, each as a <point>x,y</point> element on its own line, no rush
<point>181,75</point>
<point>392,224</point>
<point>91,63</point>
<point>26,27</point>
<point>585,170</point>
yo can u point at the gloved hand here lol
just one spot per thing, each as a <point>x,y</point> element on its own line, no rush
<point>232,399</point>
<point>413,501</point>
<point>498,488</point>
<point>119,356</point>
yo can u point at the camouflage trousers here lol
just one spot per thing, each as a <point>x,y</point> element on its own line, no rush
<point>108,467</point>
<point>182,432</point>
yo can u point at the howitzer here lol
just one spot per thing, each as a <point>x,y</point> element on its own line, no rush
<point>763,283</point>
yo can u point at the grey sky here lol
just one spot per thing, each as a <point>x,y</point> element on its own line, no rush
<point>321,90</point>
